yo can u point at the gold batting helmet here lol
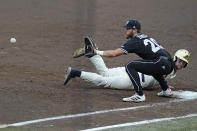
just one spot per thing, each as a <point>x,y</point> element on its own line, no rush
<point>182,54</point>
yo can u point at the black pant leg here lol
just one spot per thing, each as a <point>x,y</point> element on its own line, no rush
<point>157,67</point>
<point>133,75</point>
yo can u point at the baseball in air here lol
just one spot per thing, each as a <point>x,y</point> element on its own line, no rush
<point>13,40</point>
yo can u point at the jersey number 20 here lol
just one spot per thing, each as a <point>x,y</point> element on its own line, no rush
<point>154,45</point>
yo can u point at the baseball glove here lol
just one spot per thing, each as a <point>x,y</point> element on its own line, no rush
<point>87,50</point>
<point>89,41</point>
<point>79,52</point>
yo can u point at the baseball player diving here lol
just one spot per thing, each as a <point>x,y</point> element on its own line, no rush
<point>156,64</point>
<point>116,78</point>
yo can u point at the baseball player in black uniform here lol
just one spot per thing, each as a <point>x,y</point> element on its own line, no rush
<point>156,60</point>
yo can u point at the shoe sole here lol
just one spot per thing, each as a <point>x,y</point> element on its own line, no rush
<point>67,76</point>
<point>132,101</point>
<point>165,95</point>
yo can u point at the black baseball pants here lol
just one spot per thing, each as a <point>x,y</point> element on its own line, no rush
<point>157,68</point>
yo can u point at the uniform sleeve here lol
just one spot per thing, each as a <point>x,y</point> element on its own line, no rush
<point>129,47</point>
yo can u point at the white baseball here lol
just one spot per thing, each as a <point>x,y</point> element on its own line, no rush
<point>12,40</point>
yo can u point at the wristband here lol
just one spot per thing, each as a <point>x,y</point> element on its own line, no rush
<point>99,52</point>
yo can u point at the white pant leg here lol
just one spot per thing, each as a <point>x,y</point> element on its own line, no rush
<point>117,82</point>
<point>101,68</point>
<point>117,71</point>
<point>119,76</point>
<point>99,64</point>
<point>148,81</point>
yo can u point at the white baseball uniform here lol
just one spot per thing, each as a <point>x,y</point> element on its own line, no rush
<point>116,78</point>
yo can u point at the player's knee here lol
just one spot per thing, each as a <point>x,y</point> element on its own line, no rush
<point>130,65</point>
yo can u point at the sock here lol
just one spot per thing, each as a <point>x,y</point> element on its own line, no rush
<point>76,72</point>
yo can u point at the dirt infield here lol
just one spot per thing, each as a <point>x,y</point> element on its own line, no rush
<point>47,32</point>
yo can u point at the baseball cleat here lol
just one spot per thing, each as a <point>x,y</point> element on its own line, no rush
<point>135,98</point>
<point>166,93</point>
<point>68,75</point>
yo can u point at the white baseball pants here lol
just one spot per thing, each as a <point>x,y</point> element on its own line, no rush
<point>116,78</point>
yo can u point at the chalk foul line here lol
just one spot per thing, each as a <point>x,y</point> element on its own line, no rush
<point>139,123</point>
<point>90,113</point>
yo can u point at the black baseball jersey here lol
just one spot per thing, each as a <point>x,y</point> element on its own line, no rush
<point>145,47</point>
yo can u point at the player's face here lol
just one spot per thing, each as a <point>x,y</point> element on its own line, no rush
<point>180,64</point>
<point>130,33</point>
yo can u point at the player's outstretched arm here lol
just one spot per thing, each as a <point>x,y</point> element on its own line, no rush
<point>110,53</point>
